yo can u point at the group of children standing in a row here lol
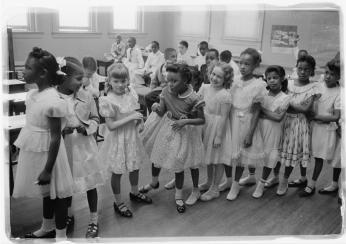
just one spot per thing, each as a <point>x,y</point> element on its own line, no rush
<point>232,122</point>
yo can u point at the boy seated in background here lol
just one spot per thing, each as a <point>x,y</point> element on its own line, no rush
<point>155,60</point>
<point>159,79</point>
<point>134,59</point>
<point>91,80</point>
<point>226,57</point>
<point>200,58</point>
<point>183,56</point>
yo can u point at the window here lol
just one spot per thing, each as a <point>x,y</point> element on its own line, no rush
<point>126,18</point>
<point>244,24</point>
<point>75,19</point>
<point>22,20</point>
<point>194,20</point>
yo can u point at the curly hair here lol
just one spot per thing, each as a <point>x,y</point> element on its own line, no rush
<point>183,70</point>
<point>256,56</point>
<point>46,60</point>
<point>310,60</point>
<point>281,72</point>
<point>228,73</point>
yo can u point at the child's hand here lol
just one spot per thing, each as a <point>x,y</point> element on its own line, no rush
<point>82,130</point>
<point>217,142</point>
<point>155,107</point>
<point>248,141</point>
<point>44,178</point>
<point>178,125</point>
<point>136,116</point>
<point>67,130</point>
<point>140,127</point>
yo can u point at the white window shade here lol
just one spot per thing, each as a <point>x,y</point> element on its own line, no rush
<point>21,19</point>
<point>194,21</point>
<point>74,19</point>
<point>244,24</point>
<point>125,17</point>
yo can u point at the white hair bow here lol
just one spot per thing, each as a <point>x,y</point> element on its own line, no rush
<point>62,63</point>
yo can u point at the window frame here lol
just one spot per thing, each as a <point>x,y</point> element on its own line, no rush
<point>138,30</point>
<point>31,27</point>
<point>259,34</point>
<point>90,31</point>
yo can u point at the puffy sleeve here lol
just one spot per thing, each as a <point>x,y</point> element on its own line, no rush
<point>337,102</point>
<point>28,96</point>
<point>105,108</point>
<point>57,109</point>
<point>259,91</point>
<point>283,104</point>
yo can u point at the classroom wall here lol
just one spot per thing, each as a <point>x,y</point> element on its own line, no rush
<point>90,44</point>
<point>162,24</point>
<point>318,30</point>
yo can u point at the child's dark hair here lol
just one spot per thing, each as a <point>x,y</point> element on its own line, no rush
<point>256,56</point>
<point>310,60</point>
<point>168,52</point>
<point>182,69</point>
<point>89,63</point>
<point>156,43</point>
<point>302,52</point>
<point>197,78</point>
<point>184,43</point>
<point>226,56</point>
<point>215,51</point>
<point>203,43</point>
<point>72,65</point>
<point>334,66</point>
<point>47,61</point>
<point>281,72</point>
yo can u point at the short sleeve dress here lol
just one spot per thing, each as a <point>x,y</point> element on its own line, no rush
<point>122,150</point>
<point>271,131</point>
<point>296,137</point>
<point>323,140</point>
<point>34,140</point>
<point>88,172</point>
<point>176,150</point>
<point>243,95</point>
<point>214,99</point>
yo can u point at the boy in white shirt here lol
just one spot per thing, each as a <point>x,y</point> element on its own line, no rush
<point>226,56</point>
<point>155,60</point>
<point>134,59</point>
<point>118,49</point>
<point>200,58</point>
<point>183,56</point>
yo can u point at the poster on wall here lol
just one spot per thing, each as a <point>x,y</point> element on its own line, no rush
<point>284,38</point>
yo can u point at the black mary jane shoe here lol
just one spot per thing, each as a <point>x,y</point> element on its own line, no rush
<point>298,183</point>
<point>305,193</point>
<point>31,235</point>
<point>180,208</point>
<point>141,198</point>
<point>93,231</point>
<point>123,210</point>
<point>326,192</point>
<point>149,187</point>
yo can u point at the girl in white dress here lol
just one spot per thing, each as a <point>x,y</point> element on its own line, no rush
<point>325,116</point>
<point>43,168</point>
<point>296,135</point>
<point>217,129</point>
<point>245,90</point>
<point>269,128</point>
<point>122,150</point>
<point>82,122</point>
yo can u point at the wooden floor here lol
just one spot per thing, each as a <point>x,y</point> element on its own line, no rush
<point>271,215</point>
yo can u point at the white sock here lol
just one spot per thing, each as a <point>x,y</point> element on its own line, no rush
<point>47,225</point>
<point>335,184</point>
<point>134,189</point>
<point>178,193</point>
<point>117,198</point>
<point>93,218</point>
<point>61,234</point>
